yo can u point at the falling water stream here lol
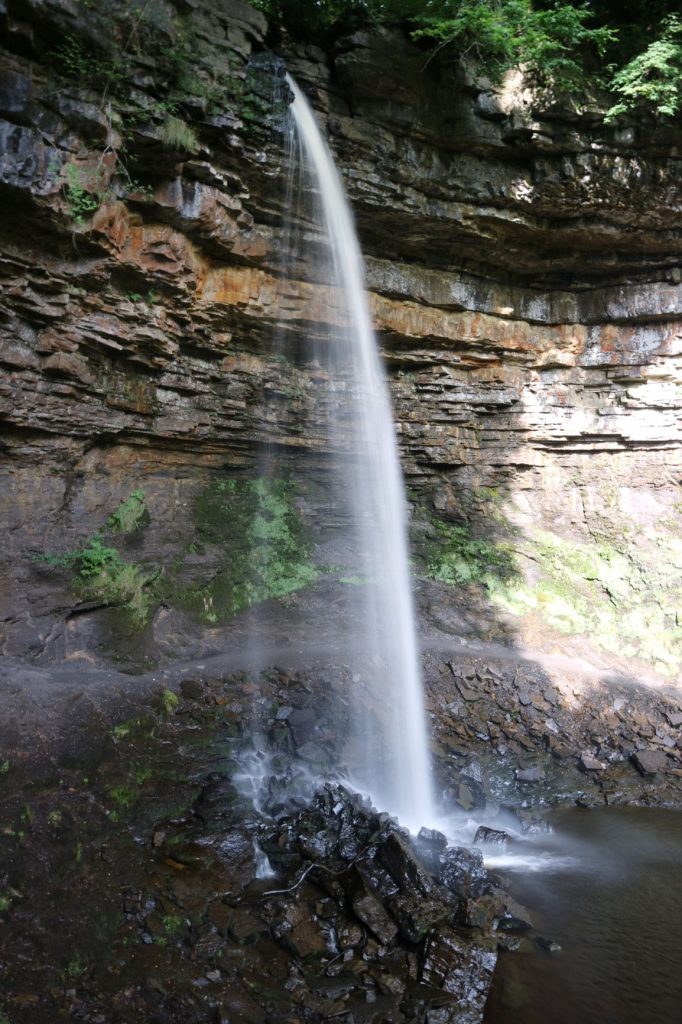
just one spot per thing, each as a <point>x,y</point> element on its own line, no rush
<point>393,765</point>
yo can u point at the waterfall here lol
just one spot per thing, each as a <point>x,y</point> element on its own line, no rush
<point>390,762</point>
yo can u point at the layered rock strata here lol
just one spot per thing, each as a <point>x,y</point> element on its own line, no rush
<point>523,265</point>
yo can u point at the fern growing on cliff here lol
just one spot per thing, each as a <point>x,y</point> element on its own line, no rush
<point>100,574</point>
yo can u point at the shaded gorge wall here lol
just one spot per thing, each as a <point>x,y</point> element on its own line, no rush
<point>524,269</point>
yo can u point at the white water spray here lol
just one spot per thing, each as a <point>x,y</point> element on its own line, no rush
<point>393,765</point>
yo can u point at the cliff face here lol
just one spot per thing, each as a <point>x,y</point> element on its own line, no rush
<point>524,270</point>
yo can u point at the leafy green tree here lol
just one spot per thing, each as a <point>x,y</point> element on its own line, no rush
<point>653,79</point>
<point>565,45</point>
<point>499,34</point>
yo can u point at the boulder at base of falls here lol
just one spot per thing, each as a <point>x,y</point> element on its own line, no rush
<point>418,911</point>
<point>648,762</point>
<point>448,964</point>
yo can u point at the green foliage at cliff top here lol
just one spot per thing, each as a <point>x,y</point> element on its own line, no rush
<point>633,47</point>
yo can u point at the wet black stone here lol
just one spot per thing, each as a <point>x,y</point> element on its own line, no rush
<point>430,837</point>
<point>547,945</point>
<point>512,916</point>
<point>379,879</point>
<point>192,689</point>
<point>462,872</point>
<point>400,860</point>
<point>417,916</point>
<point>368,906</point>
<point>490,835</point>
<point>535,774</point>
<point>216,800</point>
<point>464,970</point>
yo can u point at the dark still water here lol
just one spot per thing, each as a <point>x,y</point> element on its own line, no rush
<point>607,886</point>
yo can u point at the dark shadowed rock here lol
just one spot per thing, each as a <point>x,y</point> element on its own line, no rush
<point>302,725</point>
<point>490,835</point>
<point>430,837</point>
<point>417,916</point>
<point>192,689</point>
<point>513,915</point>
<point>429,845</point>
<point>299,931</point>
<point>400,860</point>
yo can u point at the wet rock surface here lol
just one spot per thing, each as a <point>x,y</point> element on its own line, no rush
<point>153,863</point>
<point>193,900</point>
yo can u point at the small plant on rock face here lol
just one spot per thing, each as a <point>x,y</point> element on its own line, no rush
<point>177,134</point>
<point>82,196</point>
<point>93,70</point>
<point>258,525</point>
<point>169,701</point>
<point>104,577</point>
<point>101,574</point>
<point>129,515</point>
<point>457,558</point>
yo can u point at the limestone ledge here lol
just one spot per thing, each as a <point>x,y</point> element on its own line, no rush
<point>524,277</point>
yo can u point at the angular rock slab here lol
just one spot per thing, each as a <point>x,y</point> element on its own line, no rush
<point>464,971</point>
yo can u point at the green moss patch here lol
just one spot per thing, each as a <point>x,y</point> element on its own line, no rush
<point>266,555</point>
<point>624,593</point>
<point>454,556</point>
<point>626,599</point>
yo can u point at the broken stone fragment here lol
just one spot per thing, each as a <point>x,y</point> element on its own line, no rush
<point>417,916</point>
<point>462,872</point>
<point>452,964</point>
<point>432,838</point>
<point>648,762</point>
<point>535,774</point>
<point>369,908</point>
<point>588,763</point>
<point>514,915</point>
<point>400,860</point>
<point>466,691</point>
<point>299,931</point>
<point>429,845</point>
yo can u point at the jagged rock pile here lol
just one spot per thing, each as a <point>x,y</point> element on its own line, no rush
<point>538,736</point>
<point>356,920</point>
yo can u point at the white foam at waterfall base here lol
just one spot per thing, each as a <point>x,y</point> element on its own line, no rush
<point>389,746</point>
